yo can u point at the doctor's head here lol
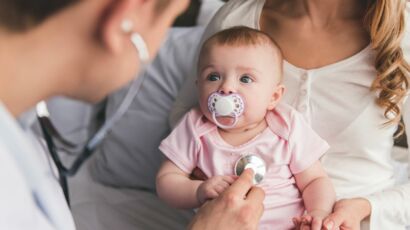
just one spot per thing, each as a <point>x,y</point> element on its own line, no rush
<point>245,62</point>
<point>84,44</point>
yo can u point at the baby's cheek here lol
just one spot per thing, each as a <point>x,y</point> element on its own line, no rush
<point>256,109</point>
<point>253,115</point>
<point>208,116</point>
<point>203,103</point>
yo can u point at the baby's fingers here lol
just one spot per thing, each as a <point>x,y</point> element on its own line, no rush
<point>307,219</point>
<point>316,223</point>
<point>305,227</point>
<point>306,222</point>
<point>223,184</point>
<point>221,188</point>
<point>229,179</point>
<point>208,194</point>
<point>297,221</point>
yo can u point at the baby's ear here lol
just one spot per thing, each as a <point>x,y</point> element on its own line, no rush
<point>276,96</point>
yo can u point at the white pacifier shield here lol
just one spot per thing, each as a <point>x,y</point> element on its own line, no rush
<point>224,106</point>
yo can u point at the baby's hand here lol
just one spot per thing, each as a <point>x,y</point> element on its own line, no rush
<point>213,187</point>
<point>312,220</point>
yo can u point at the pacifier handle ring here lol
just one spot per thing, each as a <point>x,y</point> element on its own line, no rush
<point>225,126</point>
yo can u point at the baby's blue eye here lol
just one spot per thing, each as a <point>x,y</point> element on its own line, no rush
<point>246,79</point>
<point>213,77</point>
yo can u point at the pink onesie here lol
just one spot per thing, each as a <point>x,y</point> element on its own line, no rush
<point>288,146</point>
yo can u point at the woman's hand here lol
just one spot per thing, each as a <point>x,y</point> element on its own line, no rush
<point>347,214</point>
<point>239,207</point>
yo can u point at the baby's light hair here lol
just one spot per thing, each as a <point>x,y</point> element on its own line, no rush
<point>243,36</point>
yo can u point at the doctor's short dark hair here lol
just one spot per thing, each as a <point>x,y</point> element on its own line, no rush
<point>20,15</point>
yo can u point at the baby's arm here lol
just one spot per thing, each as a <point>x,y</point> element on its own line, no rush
<point>318,194</point>
<point>176,188</point>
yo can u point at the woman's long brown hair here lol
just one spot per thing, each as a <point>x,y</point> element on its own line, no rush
<point>385,21</point>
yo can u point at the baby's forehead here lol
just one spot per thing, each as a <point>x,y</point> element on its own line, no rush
<point>261,52</point>
<point>253,40</point>
<point>216,45</point>
<point>213,43</point>
<point>240,36</point>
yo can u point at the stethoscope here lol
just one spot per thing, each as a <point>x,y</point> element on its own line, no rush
<point>254,162</point>
<point>51,135</point>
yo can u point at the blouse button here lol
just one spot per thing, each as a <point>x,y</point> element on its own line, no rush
<point>302,108</point>
<point>304,77</point>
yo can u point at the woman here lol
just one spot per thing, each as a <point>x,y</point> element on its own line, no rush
<point>83,50</point>
<point>345,72</point>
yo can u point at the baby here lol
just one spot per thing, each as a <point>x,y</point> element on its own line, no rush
<point>240,115</point>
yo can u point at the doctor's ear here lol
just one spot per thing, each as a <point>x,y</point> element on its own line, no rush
<point>117,23</point>
<point>276,96</point>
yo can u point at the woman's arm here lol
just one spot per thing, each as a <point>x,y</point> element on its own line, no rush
<point>176,188</point>
<point>392,204</point>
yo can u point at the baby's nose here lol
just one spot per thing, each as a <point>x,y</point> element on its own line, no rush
<point>225,91</point>
<point>227,87</point>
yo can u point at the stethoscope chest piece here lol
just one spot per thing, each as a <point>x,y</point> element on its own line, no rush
<point>256,163</point>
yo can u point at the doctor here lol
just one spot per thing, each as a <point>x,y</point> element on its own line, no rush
<point>80,49</point>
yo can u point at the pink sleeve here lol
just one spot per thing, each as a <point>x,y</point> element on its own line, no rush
<point>305,145</point>
<point>181,146</point>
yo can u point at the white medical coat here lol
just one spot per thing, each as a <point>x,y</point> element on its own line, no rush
<point>30,195</point>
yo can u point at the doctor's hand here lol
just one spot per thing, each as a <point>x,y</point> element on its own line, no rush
<point>347,214</point>
<point>238,207</point>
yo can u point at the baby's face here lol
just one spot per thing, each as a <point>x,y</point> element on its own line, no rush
<point>253,72</point>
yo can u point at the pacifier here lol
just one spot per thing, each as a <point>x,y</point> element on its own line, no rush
<point>230,105</point>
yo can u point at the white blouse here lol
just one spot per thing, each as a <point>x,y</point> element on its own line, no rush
<point>337,101</point>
